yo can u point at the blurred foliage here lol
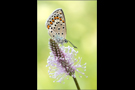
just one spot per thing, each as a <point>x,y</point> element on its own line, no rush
<point>81,22</point>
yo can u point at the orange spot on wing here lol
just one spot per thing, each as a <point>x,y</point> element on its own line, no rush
<point>48,26</point>
<point>50,22</point>
<point>54,17</point>
<point>60,19</point>
<point>63,21</point>
<point>57,17</point>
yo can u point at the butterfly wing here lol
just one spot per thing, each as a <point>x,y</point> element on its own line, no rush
<point>56,24</point>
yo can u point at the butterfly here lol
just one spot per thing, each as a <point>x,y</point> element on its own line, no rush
<point>56,26</point>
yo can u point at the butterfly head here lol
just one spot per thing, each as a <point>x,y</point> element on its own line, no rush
<point>66,41</point>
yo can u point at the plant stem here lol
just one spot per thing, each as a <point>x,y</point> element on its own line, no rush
<point>77,85</point>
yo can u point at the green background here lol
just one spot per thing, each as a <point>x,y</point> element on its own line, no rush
<point>81,22</point>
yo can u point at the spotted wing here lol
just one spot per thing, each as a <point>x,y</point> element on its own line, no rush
<point>56,24</point>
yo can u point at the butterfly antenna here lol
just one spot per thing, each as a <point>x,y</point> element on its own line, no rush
<point>72,44</point>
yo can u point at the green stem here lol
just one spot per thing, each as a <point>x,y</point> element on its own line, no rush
<point>77,85</point>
